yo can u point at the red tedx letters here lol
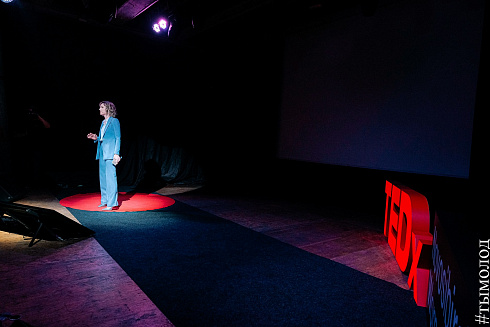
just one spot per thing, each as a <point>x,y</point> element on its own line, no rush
<point>407,226</point>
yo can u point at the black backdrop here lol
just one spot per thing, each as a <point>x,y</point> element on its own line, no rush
<point>216,102</point>
<point>216,98</point>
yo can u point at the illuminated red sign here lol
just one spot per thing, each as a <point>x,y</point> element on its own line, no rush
<point>407,226</point>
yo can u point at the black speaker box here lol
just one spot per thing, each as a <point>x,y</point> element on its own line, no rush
<point>40,223</point>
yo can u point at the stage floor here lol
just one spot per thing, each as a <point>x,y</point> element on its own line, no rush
<point>79,284</point>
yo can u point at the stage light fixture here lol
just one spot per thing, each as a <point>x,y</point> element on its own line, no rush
<point>7,1</point>
<point>159,26</point>
<point>156,28</point>
<point>163,24</point>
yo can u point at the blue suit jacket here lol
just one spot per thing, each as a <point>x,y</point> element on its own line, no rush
<point>110,143</point>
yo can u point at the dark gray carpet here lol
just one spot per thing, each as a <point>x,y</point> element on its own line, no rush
<point>201,270</point>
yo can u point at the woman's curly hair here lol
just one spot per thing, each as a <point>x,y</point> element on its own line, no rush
<point>111,108</point>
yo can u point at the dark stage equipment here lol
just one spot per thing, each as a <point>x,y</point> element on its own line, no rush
<point>40,223</point>
<point>9,192</point>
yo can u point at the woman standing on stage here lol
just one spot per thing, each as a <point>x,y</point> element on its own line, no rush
<point>108,146</point>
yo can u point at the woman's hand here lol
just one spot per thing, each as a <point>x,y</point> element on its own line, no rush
<point>116,159</point>
<point>92,136</point>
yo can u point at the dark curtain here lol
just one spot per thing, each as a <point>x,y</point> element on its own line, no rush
<point>147,165</point>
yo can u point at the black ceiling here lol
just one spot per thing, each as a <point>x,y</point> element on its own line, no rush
<point>196,17</point>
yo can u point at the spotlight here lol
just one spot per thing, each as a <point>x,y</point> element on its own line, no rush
<point>7,1</point>
<point>159,26</point>
<point>156,28</point>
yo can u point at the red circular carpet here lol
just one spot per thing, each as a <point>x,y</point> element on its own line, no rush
<point>127,202</point>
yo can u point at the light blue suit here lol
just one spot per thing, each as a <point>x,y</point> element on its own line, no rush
<point>108,144</point>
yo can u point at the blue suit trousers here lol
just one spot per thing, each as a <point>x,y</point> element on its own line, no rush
<point>108,183</point>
